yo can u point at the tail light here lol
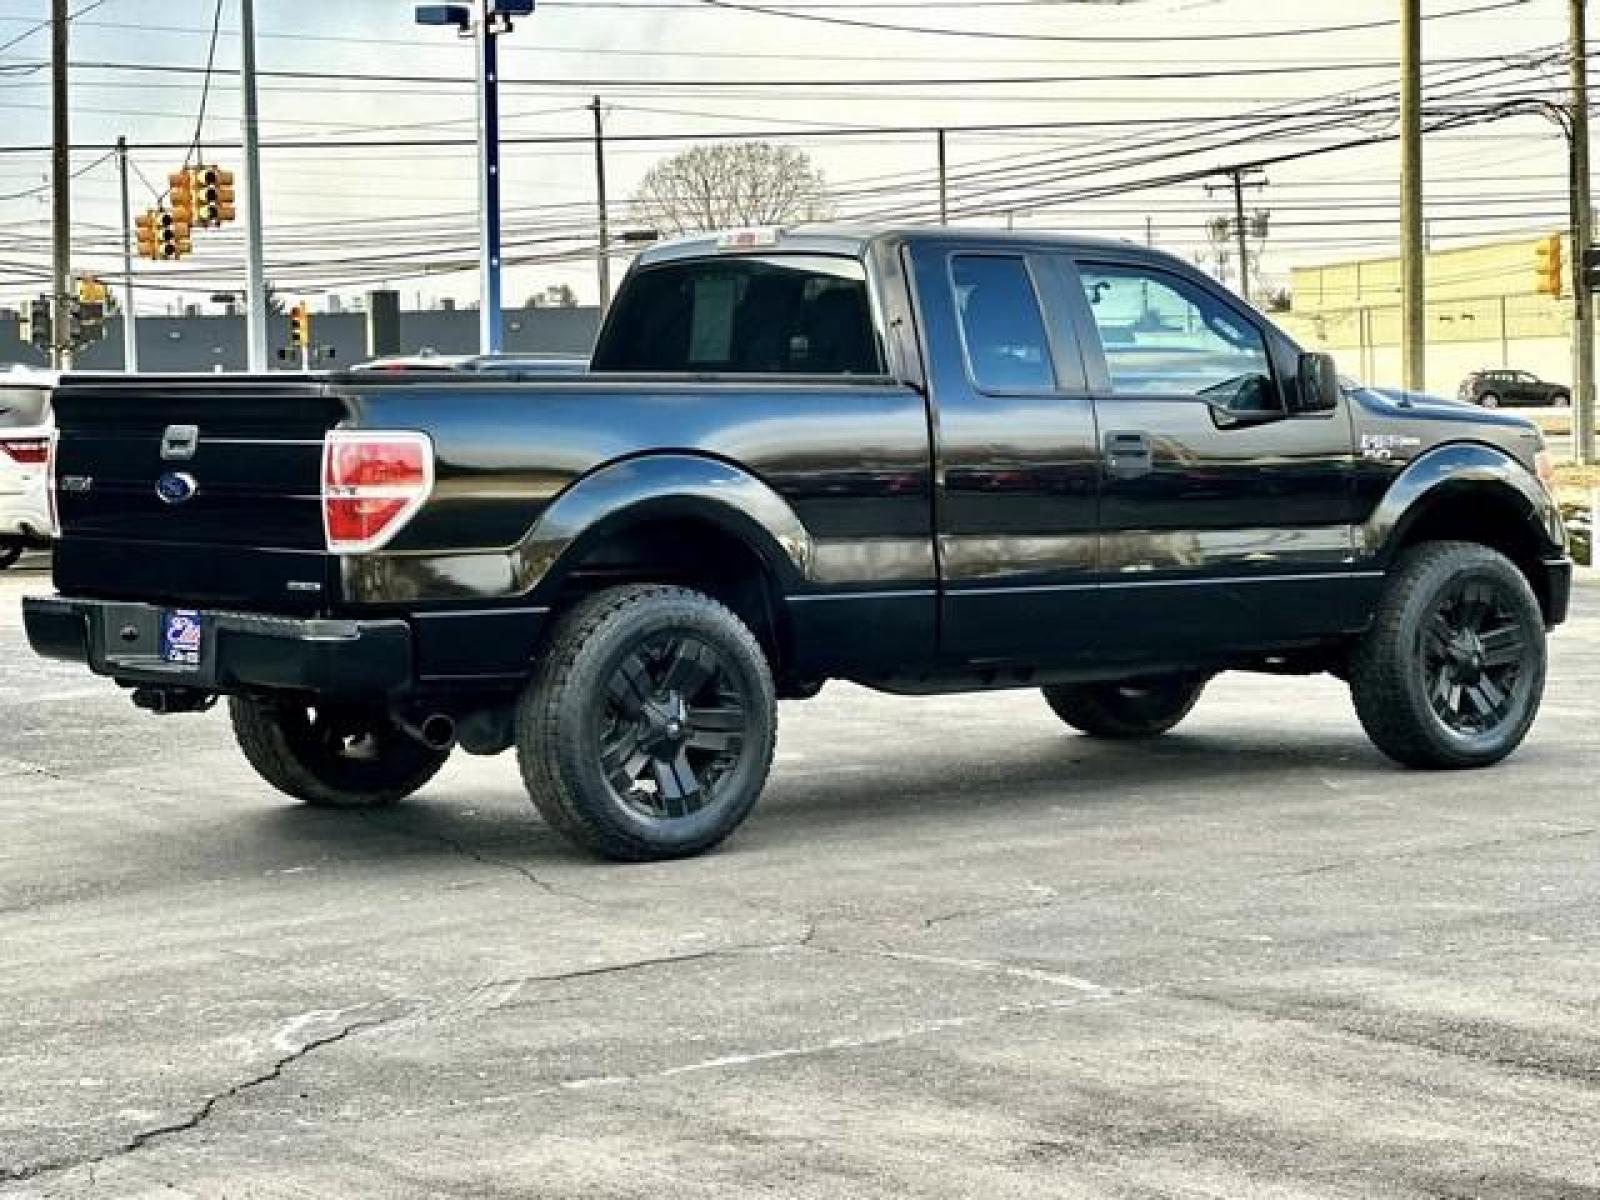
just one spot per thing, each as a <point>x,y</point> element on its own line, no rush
<point>372,484</point>
<point>28,452</point>
<point>52,459</point>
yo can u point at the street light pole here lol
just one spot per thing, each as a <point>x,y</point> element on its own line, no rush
<point>489,324</point>
<point>484,21</point>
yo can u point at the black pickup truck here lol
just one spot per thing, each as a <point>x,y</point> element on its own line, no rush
<point>923,460</point>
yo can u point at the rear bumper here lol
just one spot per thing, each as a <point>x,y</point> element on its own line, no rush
<point>239,651</point>
<point>1558,582</point>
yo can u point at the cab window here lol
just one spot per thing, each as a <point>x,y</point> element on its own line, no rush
<point>1002,330</point>
<point>1163,336</point>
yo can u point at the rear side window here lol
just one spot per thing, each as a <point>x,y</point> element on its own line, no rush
<point>789,314</point>
<point>1001,327</point>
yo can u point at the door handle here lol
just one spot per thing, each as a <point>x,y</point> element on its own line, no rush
<point>1128,455</point>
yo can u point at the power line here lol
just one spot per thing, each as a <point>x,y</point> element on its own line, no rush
<point>796,14</point>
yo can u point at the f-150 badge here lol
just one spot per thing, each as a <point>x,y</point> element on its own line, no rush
<point>1382,447</point>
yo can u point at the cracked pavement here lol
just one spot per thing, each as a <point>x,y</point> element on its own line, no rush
<point>956,952</point>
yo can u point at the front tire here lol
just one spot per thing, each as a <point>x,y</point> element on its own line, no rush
<point>9,556</point>
<point>1134,708</point>
<point>331,757</point>
<point>1489,400</point>
<point>649,729</point>
<point>1452,671</point>
<point>1562,400</point>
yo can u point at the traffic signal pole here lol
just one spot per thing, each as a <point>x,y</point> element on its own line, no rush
<point>1583,396</point>
<point>603,254</point>
<point>60,193</point>
<point>130,334</point>
<point>489,324</point>
<point>255,267</point>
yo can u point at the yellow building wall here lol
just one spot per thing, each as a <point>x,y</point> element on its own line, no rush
<point>1482,311</point>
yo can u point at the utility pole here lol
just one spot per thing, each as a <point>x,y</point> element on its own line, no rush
<point>1240,228</point>
<point>60,194</point>
<point>1413,284</point>
<point>944,182</point>
<point>130,334</point>
<point>255,297</point>
<point>1583,409</point>
<point>603,260</point>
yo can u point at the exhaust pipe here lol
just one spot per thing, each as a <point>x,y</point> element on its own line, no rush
<point>436,732</point>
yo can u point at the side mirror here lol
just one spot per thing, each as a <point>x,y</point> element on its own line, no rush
<point>1316,384</point>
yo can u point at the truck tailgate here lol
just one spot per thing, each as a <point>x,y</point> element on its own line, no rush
<point>204,490</point>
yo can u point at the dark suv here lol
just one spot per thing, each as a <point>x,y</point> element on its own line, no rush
<point>1512,389</point>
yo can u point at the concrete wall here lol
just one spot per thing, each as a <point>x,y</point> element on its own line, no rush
<point>1482,312</point>
<point>206,343</point>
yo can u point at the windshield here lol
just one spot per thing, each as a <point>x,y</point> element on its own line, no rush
<point>780,314</point>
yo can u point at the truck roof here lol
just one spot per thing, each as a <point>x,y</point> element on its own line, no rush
<point>853,240</point>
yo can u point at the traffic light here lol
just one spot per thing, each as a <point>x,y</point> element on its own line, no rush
<point>163,235</point>
<point>1548,267</point>
<point>181,195</point>
<point>36,327</point>
<point>1591,269</point>
<point>88,312</point>
<point>211,190</point>
<point>299,327</point>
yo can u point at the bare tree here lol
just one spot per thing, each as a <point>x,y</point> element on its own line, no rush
<point>731,185</point>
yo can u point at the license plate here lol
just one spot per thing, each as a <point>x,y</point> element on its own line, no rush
<point>182,637</point>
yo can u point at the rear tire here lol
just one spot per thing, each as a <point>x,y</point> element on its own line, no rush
<point>1452,671</point>
<point>330,757</point>
<point>648,731</point>
<point>1134,708</point>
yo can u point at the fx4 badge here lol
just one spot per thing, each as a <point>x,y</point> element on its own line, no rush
<point>1384,447</point>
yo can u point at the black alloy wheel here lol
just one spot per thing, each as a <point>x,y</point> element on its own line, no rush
<point>675,724</point>
<point>1478,657</point>
<point>1451,672</point>
<point>331,756</point>
<point>648,729</point>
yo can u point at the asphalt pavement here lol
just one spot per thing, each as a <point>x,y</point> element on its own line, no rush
<point>957,952</point>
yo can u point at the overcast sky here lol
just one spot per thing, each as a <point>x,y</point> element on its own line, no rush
<point>331,213</point>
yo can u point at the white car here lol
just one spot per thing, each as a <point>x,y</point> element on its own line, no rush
<point>25,427</point>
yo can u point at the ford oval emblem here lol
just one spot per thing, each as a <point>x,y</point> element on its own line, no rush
<point>176,487</point>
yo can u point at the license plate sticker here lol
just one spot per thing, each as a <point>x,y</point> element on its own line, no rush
<point>182,637</point>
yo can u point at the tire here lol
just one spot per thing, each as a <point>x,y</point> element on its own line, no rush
<point>1489,400</point>
<point>331,758</point>
<point>1452,671</point>
<point>9,556</point>
<point>1134,708</point>
<point>648,730</point>
<point>1561,400</point>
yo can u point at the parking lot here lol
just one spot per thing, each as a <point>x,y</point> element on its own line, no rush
<point>957,952</point>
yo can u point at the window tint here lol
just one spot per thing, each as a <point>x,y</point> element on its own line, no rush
<point>1000,324</point>
<point>744,315</point>
<point>1163,336</point>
